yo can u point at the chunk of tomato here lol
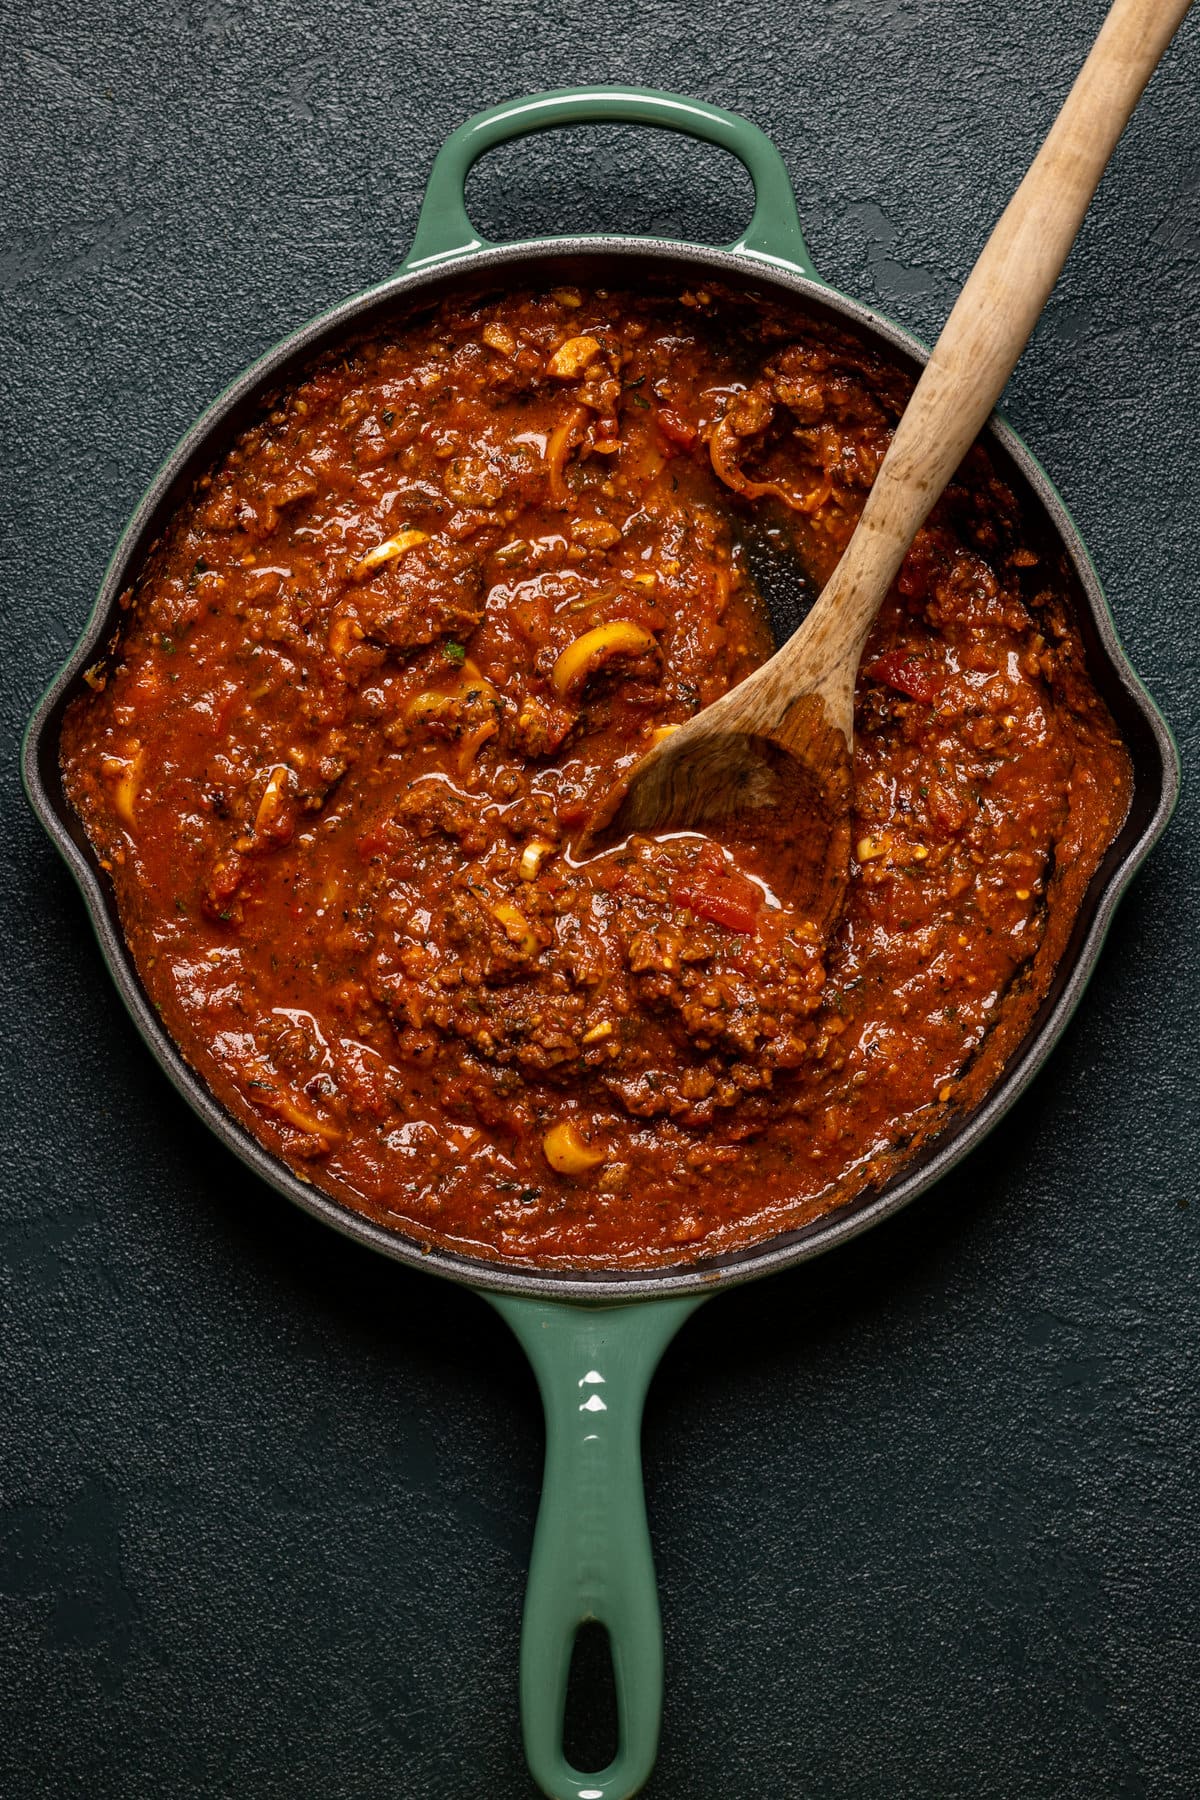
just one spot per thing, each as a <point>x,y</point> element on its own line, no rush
<point>674,429</point>
<point>726,899</point>
<point>908,673</point>
<point>372,842</point>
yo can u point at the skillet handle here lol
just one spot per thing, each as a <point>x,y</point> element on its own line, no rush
<point>444,230</point>
<point>591,1555</point>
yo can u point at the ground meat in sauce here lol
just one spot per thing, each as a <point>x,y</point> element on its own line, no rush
<point>400,640</point>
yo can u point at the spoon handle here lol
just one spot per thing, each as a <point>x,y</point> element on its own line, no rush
<point>986,331</point>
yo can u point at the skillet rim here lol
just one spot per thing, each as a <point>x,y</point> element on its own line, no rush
<point>1155,764</point>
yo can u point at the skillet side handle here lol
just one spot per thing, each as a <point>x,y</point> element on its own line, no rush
<point>591,1555</point>
<point>444,229</point>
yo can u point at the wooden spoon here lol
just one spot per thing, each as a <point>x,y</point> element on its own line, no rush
<point>770,762</point>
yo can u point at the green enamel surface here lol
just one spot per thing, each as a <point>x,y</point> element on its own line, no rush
<point>591,1552</point>
<point>444,229</point>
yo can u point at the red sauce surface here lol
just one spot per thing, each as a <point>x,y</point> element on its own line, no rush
<point>397,645</point>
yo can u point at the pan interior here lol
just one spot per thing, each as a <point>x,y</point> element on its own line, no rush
<point>662,267</point>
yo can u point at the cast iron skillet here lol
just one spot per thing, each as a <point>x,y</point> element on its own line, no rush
<point>595,1337</point>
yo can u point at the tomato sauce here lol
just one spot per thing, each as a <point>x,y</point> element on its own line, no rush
<point>397,645</point>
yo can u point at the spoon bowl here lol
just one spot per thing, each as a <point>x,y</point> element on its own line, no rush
<point>781,791</point>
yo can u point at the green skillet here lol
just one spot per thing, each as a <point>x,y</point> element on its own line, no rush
<point>595,1338</point>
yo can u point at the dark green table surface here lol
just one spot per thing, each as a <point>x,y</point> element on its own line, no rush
<point>926,1512</point>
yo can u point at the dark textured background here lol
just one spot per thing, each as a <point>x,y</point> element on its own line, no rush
<point>926,1512</point>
